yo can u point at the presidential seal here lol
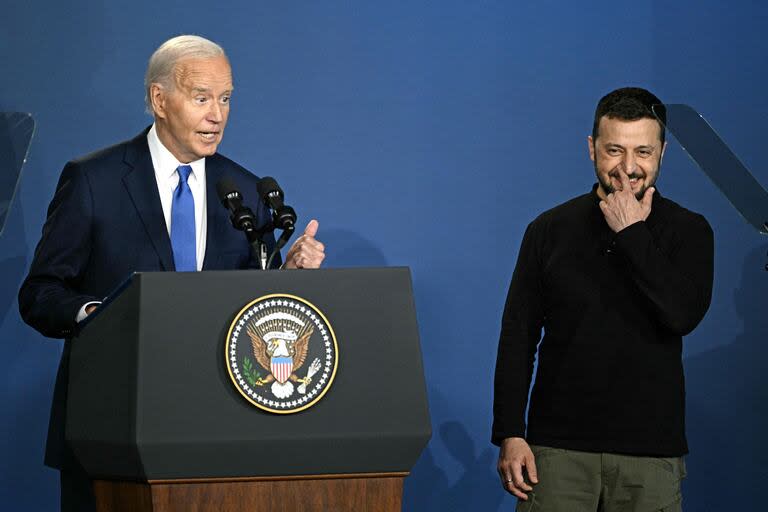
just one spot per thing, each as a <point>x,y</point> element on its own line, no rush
<point>281,353</point>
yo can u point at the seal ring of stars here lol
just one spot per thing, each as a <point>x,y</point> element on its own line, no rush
<point>328,362</point>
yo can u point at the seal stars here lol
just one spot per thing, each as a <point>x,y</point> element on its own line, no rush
<point>281,353</point>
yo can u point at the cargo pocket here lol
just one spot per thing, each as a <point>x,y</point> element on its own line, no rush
<point>528,505</point>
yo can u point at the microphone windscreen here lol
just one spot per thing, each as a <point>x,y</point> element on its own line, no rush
<point>267,185</point>
<point>224,187</point>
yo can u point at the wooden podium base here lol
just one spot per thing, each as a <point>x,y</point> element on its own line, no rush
<point>375,492</point>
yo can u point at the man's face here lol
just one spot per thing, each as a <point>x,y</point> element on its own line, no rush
<point>631,147</point>
<point>191,117</point>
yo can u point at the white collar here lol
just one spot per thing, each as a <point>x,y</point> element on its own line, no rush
<point>165,163</point>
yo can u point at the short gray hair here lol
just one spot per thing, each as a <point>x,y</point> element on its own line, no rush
<point>163,61</point>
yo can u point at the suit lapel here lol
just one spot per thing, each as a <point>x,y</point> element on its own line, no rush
<point>217,217</point>
<point>141,184</point>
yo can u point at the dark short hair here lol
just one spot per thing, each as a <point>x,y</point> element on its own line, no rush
<point>629,104</point>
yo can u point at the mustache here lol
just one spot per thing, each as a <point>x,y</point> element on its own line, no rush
<point>634,175</point>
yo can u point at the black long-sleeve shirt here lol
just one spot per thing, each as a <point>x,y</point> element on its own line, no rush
<point>614,308</point>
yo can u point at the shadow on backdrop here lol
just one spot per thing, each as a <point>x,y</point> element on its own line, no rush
<point>428,487</point>
<point>727,392</point>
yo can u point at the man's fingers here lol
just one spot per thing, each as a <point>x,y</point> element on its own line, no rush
<point>307,253</point>
<point>625,186</point>
<point>311,229</point>
<point>648,197</point>
<point>310,257</point>
<point>312,244</point>
<point>517,477</point>
<point>514,455</point>
<point>309,246</point>
<point>530,467</point>
<point>509,481</point>
<point>517,492</point>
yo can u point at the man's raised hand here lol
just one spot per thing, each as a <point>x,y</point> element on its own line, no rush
<point>622,209</point>
<point>306,251</point>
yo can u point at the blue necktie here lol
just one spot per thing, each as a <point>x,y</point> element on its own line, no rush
<point>183,224</point>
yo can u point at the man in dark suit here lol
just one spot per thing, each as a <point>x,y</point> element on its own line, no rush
<point>148,204</point>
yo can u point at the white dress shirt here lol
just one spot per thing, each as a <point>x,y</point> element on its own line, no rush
<point>167,178</point>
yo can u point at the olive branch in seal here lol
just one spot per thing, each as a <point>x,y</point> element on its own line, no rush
<point>250,373</point>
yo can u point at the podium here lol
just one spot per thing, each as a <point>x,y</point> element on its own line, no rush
<point>157,421</point>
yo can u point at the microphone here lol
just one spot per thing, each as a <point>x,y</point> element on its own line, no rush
<point>242,218</point>
<point>283,216</point>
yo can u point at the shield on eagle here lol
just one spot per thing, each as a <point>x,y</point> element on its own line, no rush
<point>281,368</point>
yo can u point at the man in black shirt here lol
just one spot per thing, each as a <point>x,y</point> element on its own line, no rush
<point>615,277</point>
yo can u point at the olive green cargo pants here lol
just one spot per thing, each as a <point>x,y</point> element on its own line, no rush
<point>573,481</point>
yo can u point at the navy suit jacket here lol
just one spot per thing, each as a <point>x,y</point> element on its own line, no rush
<point>106,221</point>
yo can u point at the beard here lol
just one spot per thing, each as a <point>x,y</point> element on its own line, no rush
<point>605,184</point>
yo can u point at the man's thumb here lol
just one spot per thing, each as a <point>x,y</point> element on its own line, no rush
<point>311,229</point>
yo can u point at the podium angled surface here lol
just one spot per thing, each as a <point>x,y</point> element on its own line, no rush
<point>150,398</point>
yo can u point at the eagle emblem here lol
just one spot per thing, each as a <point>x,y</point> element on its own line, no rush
<point>268,347</point>
<point>280,342</point>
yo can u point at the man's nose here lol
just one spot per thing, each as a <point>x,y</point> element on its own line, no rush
<point>629,163</point>
<point>215,114</point>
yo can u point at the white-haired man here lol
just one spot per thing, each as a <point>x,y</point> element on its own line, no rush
<point>148,204</point>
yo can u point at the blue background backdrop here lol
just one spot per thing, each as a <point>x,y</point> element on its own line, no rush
<point>425,134</point>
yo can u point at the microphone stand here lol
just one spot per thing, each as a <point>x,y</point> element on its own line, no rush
<point>283,216</point>
<point>284,237</point>
<point>258,248</point>
<point>243,220</point>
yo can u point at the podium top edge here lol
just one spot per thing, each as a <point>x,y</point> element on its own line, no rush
<point>255,271</point>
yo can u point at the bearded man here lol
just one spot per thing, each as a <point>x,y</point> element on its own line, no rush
<point>615,278</point>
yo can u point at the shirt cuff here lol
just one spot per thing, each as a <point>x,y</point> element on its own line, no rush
<point>81,314</point>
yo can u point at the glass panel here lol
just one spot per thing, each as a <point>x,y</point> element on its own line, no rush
<point>716,159</point>
<point>16,129</point>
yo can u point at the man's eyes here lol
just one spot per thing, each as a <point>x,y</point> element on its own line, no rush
<point>202,100</point>
<point>644,153</point>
